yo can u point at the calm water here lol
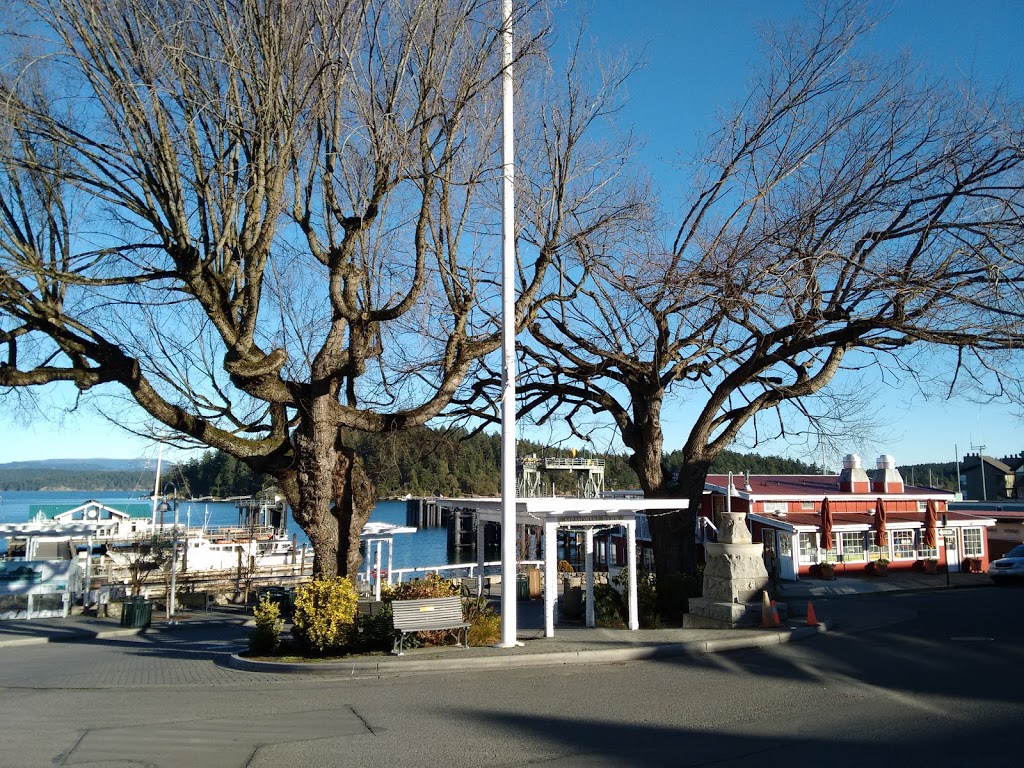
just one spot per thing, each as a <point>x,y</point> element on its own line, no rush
<point>425,547</point>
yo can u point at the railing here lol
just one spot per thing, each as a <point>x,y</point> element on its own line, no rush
<point>460,570</point>
<point>563,462</point>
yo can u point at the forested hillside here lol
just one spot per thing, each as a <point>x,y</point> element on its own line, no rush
<point>59,479</point>
<point>422,462</point>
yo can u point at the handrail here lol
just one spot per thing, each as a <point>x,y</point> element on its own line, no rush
<point>397,575</point>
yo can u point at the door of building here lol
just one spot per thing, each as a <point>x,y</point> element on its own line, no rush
<point>951,557</point>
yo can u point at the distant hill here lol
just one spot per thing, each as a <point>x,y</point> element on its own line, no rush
<point>82,465</point>
<point>77,475</point>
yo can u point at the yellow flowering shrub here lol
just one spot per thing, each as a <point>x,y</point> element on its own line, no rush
<point>324,616</point>
<point>266,637</point>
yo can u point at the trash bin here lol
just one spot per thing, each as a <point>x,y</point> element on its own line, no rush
<point>137,612</point>
<point>533,574</point>
<point>281,598</point>
<point>127,613</point>
<point>522,587</point>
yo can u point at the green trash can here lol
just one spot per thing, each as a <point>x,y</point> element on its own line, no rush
<point>282,598</point>
<point>143,613</point>
<point>137,612</point>
<point>127,612</point>
<point>522,587</point>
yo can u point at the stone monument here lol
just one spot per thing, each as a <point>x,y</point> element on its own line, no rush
<point>734,579</point>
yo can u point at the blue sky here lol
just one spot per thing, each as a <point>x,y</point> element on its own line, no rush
<point>697,61</point>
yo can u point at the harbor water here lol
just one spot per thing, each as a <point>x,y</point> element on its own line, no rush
<point>426,547</point>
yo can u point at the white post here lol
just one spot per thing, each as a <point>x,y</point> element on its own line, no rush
<point>156,486</point>
<point>550,577</point>
<point>634,609</point>
<point>88,574</point>
<point>368,544</point>
<point>509,623</point>
<point>174,562</point>
<point>376,570</point>
<point>391,559</point>
<point>479,555</point>
<point>589,564</point>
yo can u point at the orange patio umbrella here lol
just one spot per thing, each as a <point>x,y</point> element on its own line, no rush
<point>931,519</point>
<point>826,524</point>
<point>880,529</point>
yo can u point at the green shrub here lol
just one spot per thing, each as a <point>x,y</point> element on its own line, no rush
<point>484,621</point>
<point>418,589</point>
<point>646,594</point>
<point>374,633</point>
<point>609,607</point>
<point>324,615</point>
<point>265,638</point>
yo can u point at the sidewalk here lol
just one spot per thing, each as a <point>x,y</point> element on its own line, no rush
<point>572,643</point>
<point>852,586</point>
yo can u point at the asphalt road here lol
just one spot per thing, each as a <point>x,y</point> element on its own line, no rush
<point>933,677</point>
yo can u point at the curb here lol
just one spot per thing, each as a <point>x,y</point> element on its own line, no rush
<point>394,666</point>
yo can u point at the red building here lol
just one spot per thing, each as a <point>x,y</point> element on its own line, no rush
<point>785,512</point>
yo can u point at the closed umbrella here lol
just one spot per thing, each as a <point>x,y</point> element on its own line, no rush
<point>880,532</point>
<point>826,525</point>
<point>931,519</point>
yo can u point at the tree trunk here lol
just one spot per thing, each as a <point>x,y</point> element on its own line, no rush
<point>333,495</point>
<point>671,532</point>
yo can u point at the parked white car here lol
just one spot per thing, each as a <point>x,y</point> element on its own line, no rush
<point>1008,567</point>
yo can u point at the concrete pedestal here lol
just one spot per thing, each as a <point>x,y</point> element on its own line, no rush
<point>734,579</point>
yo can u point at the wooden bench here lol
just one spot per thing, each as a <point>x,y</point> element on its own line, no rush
<point>433,613</point>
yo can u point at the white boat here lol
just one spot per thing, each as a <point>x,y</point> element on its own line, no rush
<point>118,534</point>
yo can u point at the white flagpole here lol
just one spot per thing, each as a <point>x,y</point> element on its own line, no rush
<point>508,340</point>
<point>156,486</point>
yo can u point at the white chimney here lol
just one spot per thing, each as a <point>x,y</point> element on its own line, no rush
<point>887,478</point>
<point>853,478</point>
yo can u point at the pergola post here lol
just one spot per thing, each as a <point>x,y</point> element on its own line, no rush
<point>550,576</point>
<point>634,611</point>
<point>589,566</point>
<point>391,559</point>
<point>479,555</point>
<point>376,570</point>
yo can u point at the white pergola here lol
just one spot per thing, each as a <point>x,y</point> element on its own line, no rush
<point>375,536</point>
<point>555,513</point>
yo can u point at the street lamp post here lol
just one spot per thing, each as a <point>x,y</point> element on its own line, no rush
<point>174,556</point>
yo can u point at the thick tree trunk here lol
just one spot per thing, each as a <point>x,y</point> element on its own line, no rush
<point>671,532</point>
<point>333,497</point>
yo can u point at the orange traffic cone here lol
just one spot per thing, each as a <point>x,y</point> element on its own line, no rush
<point>766,610</point>
<point>775,615</point>
<point>812,620</point>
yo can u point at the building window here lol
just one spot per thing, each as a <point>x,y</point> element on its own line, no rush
<point>807,505</point>
<point>809,547</point>
<point>785,545</point>
<point>972,542</point>
<point>852,543</point>
<point>903,545</point>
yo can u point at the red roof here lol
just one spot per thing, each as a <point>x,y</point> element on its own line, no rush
<point>807,488</point>
<point>845,520</point>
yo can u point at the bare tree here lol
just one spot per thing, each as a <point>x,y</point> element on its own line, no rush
<point>849,214</point>
<point>264,222</point>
